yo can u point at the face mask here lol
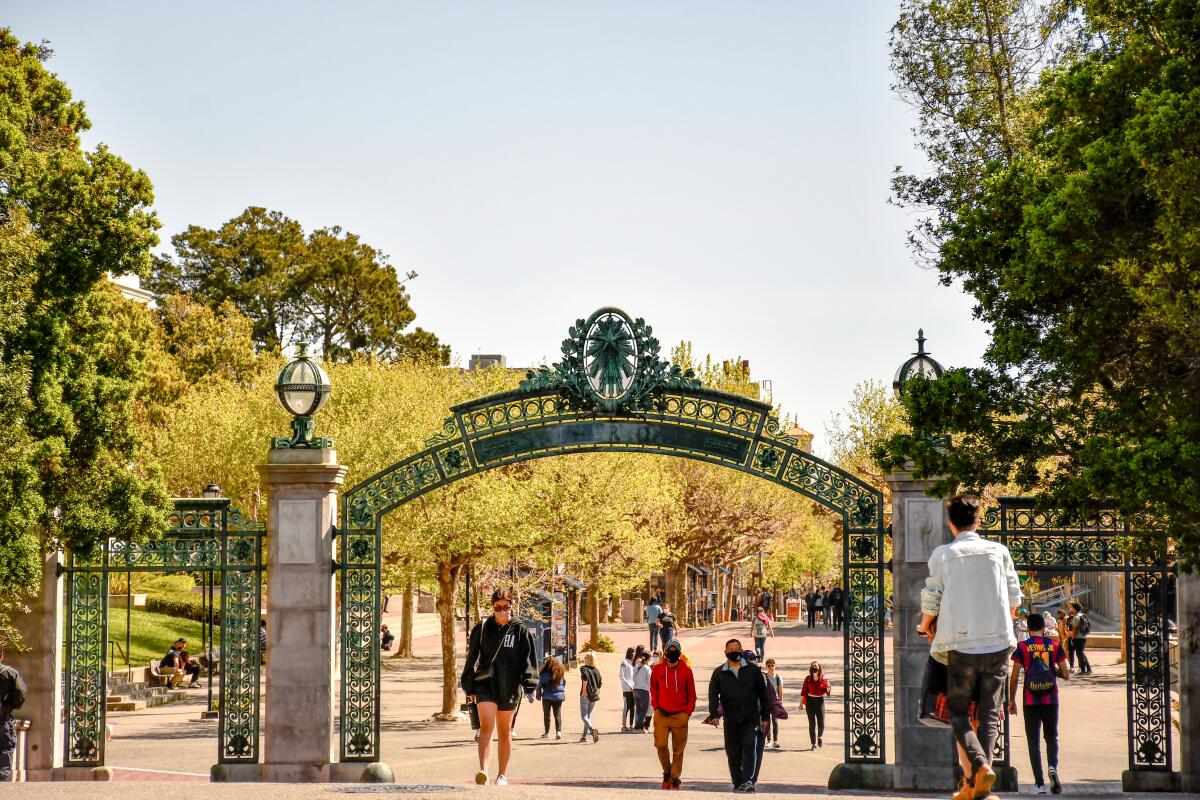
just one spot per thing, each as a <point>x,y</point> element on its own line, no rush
<point>734,655</point>
<point>672,656</point>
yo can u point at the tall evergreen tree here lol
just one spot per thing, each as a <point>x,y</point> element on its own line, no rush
<point>70,472</point>
<point>1081,246</point>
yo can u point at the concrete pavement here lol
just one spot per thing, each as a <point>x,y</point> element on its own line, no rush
<point>424,752</point>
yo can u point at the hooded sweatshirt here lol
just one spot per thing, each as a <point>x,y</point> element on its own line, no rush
<point>673,687</point>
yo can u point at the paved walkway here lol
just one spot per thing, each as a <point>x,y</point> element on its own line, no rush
<point>423,752</point>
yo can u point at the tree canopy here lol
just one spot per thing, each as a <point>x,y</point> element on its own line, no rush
<point>1076,231</point>
<point>328,286</point>
<point>71,466</point>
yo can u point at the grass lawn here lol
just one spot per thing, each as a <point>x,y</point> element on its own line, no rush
<point>152,636</point>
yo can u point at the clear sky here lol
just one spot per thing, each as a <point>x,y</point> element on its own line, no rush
<point>718,168</point>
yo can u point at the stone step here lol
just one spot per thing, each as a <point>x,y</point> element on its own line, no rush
<point>130,704</point>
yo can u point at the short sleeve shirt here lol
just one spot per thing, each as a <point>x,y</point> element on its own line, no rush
<point>1051,653</point>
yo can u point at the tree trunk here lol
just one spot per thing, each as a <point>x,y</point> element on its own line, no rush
<point>593,612</point>
<point>405,648</point>
<point>447,579</point>
<point>614,612</point>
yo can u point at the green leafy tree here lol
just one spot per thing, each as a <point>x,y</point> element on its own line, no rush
<point>1080,249</point>
<point>71,471</point>
<point>327,286</point>
<point>208,342</point>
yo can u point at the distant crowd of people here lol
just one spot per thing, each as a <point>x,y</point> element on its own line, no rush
<point>658,689</point>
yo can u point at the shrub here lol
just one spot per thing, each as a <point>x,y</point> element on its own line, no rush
<point>603,645</point>
<point>187,606</point>
<point>166,584</point>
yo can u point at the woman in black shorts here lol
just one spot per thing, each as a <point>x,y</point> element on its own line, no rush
<point>501,663</point>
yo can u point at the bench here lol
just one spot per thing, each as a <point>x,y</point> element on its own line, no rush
<point>164,676</point>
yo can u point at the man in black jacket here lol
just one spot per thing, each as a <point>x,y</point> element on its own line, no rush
<point>12,697</point>
<point>738,693</point>
<point>837,601</point>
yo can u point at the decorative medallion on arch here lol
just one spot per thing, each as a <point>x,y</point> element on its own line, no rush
<point>613,392</point>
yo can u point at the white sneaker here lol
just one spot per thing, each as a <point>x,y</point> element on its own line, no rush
<point>546,735</point>
<point>557,735</point>
<point>1040,790</point>
<point>481,778</point>
<point>501,780</point>
<point>775,745</point>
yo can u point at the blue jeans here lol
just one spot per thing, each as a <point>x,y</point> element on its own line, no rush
<point>585,713</point>
<point>760,647</point>
<point>653,637</point>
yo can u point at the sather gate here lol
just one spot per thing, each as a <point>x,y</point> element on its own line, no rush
<point>613,392</point>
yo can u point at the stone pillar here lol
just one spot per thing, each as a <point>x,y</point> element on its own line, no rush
<point>924,756</point>
<point>41,631</point>
<point>1189,681</point>
<point>301,614</point>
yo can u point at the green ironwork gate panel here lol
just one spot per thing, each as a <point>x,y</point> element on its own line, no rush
<point>1148,676</point>
<point>1046,539</point>
<point>863,653</point>
<point>87,633</point>
<point>240,657</point>
<point>360,619</point>
<point>203,535</point>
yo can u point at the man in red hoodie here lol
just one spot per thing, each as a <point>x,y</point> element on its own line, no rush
<point>673,697</point>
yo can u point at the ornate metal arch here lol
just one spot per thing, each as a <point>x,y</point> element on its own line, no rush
<point>612,393</point>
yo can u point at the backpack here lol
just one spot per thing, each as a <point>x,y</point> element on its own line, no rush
<point>591,676</point>
<point>1040,679</point>
<point>1083,627</point>
<point>760,629</point>
<point>16,693</point>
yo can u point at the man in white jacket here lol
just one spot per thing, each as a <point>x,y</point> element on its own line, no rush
<point>967,606</point>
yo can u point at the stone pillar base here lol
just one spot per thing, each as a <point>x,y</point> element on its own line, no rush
<point>861,776</point>
<point>348,772</point>
<point>924,779</point>
<point>1006,779</point>
<point>65,774</point>
<point>1147,781</point>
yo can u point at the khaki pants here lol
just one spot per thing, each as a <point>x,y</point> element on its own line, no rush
<point>676,727</point>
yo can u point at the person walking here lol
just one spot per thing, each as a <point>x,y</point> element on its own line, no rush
<point>589,694</point>
<point>500,664</point>
<point>819,606</point>
<point>668,625</point>
<point>12,697</point>
<point>641,693</point>
<point>1043,661</point>
<point>626,677</point>
<point>967,606</point>
<point>738,693</point>
<point>828,606</point>
<point>837,602</point>
<point>1081,626</point>
<point>653,609</point>
<point>812,699</point>
<point>760,628</point>
<point>810,607</point>
<point>776,683</point>
<point>673,696</point>
<point>552,691</point>
<point>1064,636</point>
